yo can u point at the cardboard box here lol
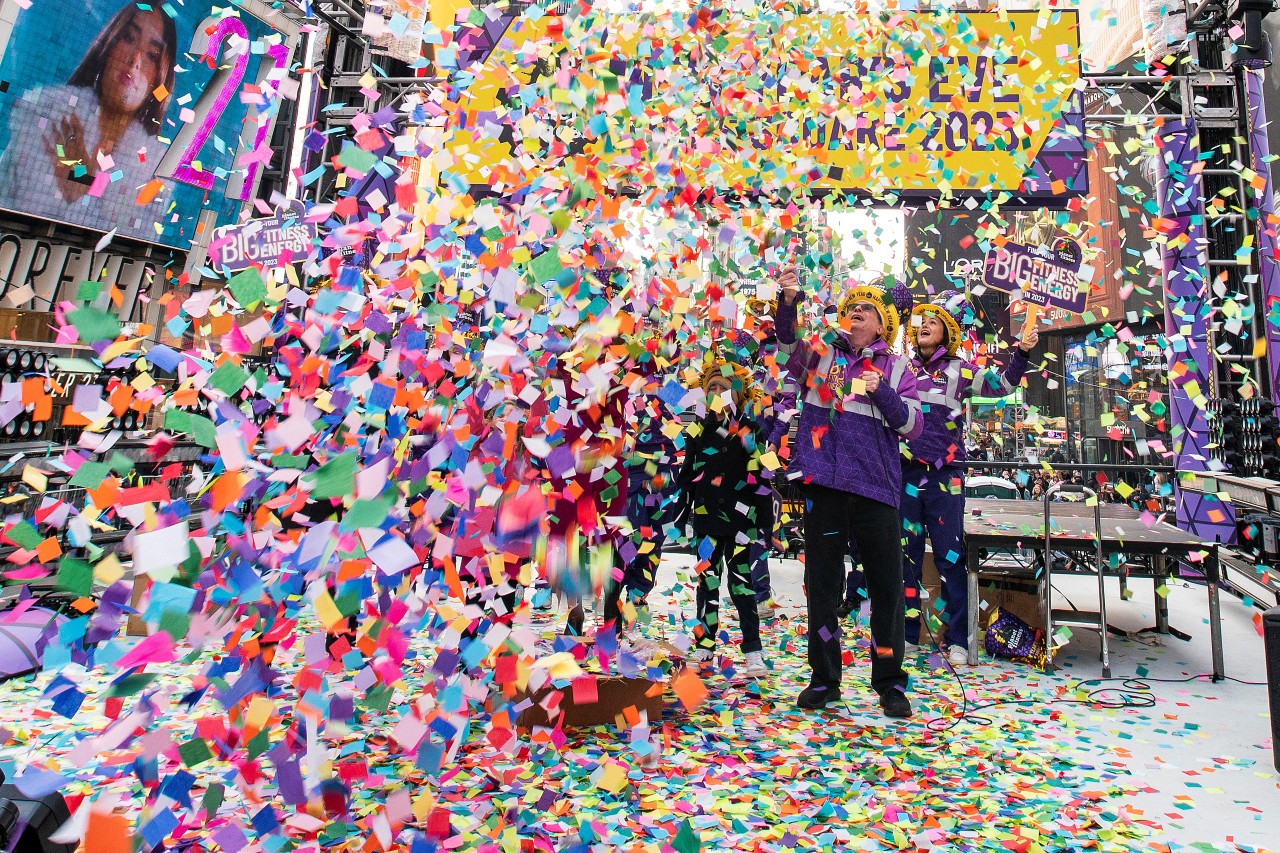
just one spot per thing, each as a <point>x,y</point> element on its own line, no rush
<point>591,700</point>
<point>135,626</point>
<point>1021,597</point>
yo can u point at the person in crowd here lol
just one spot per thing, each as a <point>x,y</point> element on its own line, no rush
<point>933,471</point>
<point>778,409</point>
<point>859,399</point>
<point>855,592</point>
<point>651,462</point>
<point>729,506</point>
<point>586,471</point>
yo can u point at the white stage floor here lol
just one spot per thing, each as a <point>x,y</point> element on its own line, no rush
<point>1202,754</point>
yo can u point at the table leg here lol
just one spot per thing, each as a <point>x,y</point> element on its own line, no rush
<point>975,601</point>
<point>1047,579</point>
<point>1211,575</point>
<point>1162,601</point>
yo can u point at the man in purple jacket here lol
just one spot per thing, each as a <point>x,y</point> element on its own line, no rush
<point>933,474</point>
<point>859,399</point>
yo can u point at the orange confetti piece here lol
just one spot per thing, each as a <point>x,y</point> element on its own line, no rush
<point>148,193</point>
<point>689,689</point>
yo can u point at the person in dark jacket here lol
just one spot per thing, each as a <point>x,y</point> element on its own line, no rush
<point>729,506</point>
<point>778,409</point>
<point>855,582</point>
<point>859,400</point>
<point>650,458</point>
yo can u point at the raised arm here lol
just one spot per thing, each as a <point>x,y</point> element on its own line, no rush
<point>798,353</point>
<point>1000,383</point>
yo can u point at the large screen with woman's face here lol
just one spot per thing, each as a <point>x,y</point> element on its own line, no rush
<point>135,116</point>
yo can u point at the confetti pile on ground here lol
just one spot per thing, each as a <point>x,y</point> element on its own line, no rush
<point>743,770</point>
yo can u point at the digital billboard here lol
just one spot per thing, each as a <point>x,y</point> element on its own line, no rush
<point>125,115</point>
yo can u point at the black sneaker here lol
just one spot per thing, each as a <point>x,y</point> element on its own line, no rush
<point>849,606</point>
<point>895,704</point>
<point>814,697</point>
<point>576,622</point>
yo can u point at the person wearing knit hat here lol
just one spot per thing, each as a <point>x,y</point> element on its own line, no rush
<point>859,401</point>
<point>879,296</point>
<point>728,504</point>
<point>933,468</point>
<point>758,344</point>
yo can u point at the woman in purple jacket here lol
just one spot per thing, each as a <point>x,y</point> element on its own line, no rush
<point>859,399</point>
<point>933,470</point>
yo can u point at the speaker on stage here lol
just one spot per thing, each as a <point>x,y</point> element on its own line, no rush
<point>1271,642</point>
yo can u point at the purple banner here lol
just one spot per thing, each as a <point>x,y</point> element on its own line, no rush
<point>1037,274</point>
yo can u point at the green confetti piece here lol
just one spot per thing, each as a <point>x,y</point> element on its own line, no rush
<point>258,744</point>
<point>120,464</point>
<point>368,513</point>
<point>686,840</point>
<point>356,159</point>
<point>90,475</point>
<point>203,432</point>
<point>213,797</point>
<point>88,291</point>
<point>194,752</point>
<point>176,420</point>
<point>334,479</point>
<point>76,576</point>
<point>94,324</point>
<point>229,378</point>
<point>175,623</point>
<point>24,535</point>
<point>546,267</point>
<point>248,288</point>
<point>131,684</point>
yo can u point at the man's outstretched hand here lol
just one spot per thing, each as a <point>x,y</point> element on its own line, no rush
<point>789,283</point>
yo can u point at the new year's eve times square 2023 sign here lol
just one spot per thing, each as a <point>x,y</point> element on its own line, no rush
<point>126,115</point>
<point>908,104</point>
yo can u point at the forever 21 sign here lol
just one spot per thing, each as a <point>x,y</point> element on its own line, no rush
<point>36,274</point>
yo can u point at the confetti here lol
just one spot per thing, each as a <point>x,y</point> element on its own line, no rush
<point>376,477</point>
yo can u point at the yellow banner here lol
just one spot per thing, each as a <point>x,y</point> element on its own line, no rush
<point>932,103</point>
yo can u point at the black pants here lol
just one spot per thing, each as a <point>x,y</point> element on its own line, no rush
<point>831,517</point>
<point>738,559</point>
<point>647,512</point>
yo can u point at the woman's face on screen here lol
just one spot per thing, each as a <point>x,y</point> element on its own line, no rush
<point>135,64</point>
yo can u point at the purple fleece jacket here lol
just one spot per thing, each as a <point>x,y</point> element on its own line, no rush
<point>946,382</point>
<point>849,441</point>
